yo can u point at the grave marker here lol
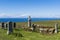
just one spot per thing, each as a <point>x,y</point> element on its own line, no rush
<point>56,28</point>
<point>14,25</point>
<point>29,21</point>
<point>10,28</point>
<point>6,25</point>
<point>2,24</point>
<point>34,27</point>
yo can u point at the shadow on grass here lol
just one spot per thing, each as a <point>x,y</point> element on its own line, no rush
<point>17,34</point>
<point>17,29</point>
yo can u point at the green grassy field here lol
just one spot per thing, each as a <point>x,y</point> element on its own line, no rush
<point>43,23</point>
<point>20,34</point>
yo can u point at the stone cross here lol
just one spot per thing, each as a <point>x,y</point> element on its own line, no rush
<point>10,28</point>
<point>29,21</point>
<point>56,28</point>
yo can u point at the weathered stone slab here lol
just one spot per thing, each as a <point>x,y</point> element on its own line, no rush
<point>6,25</point>
<point>10,28</point>
<point>14,25</point>
<point>34,27</point>
<point>29,21</point>
<point>2,24</point>
<point>56,28</point>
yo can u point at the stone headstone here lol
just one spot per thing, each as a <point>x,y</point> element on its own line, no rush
<point>2,24</point>
<point>14,25</point>
<point>56,28</point>
<point>6,25</point>
<point>10,28</point>
<point>29,21</point>
<point>34,27</point>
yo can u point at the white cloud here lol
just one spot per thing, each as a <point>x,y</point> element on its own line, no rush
<point>5,15</point>
<point>25,15</point>
<point>20,15</point>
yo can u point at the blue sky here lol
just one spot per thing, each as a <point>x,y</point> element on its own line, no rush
<point>33,8</point>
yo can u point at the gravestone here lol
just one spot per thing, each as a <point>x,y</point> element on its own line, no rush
<point>10,28</point>
<point>6,25</point>
<point>2,24</point>
<point>34,27</point>
<point>56,28</point>
<point>29,21</point>
<point>14,25</point>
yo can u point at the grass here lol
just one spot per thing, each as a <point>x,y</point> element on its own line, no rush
<point>50,23</point>
<point>26,35</point>
<point>20,34</point>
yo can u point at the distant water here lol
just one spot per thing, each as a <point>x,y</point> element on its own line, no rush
<point>26,19</point>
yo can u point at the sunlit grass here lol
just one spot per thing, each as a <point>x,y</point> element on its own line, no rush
<point>26,35</point>
<point>20,34</point>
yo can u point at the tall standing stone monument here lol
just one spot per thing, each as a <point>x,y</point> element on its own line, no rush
<point>10,28</point>
<point>29,21</point>
<point>56,28</point>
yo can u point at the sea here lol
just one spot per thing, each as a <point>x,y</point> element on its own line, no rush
<point>26,19</point>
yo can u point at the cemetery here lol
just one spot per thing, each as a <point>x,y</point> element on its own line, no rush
<point>29,19</point>
<point>30,30</point>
